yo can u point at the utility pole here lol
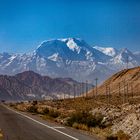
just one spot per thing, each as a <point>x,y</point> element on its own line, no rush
<point>64,95</point>
<point>119,89</point>
<point>86,88</point>
<point>74,90</point>
<point>96,82</point>
<point>69,95</point>
<point>82,89</point>
<point>93,91</point>
<point>77,91</point>
<point>132,89</point>
<point>124,93</point>
<point>108,93</point>
<point>127,91</point>
<point>80,93</point>
<point>127,61</point>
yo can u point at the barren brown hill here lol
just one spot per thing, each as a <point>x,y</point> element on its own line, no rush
<point>125,82</point>
<point>30,85</point>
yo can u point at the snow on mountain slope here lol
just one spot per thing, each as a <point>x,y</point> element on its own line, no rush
<point>124,58</point>
<point>69,57</point>
<point>107,51</point>
<point>73,49</point>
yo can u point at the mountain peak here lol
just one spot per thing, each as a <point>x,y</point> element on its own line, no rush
<point>70,39</point>
<point>60,40</point>
<point>65,48</point>
<point>27,74</point>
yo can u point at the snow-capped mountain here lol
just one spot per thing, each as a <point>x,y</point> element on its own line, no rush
<point>69,49</point>
<point>70,57</point>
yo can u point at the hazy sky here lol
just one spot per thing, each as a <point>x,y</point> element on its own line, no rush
<point>26,23</point>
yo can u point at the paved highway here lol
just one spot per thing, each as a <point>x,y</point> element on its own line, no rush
<point>19,126</point>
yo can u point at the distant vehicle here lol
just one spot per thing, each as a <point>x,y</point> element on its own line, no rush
<point>3,101</point>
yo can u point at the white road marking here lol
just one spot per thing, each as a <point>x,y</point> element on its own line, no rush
<point>58,127</point>
<point>42,124</point>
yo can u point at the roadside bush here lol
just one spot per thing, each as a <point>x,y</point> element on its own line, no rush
<point>1,135</point>
<point>119,136</point>
<point>86,118</point>
<point>11,105</point>
<point>122,136</point>
<point>34,102</point>
<point>53,113</point>
<point>112,138</point>
<point>45,111</point>
<point>32,109</point>
<point>80,126</point>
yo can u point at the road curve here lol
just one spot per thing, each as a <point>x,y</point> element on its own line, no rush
<point>19,126</point>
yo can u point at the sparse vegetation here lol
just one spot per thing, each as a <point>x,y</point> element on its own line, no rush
<point>93,115</point>
<point>34,102</point>
<point>119,136</point>
<point>53,113</point>
<point>32,109</point>
<point>86,118</point>
<point>45,111</point>
<point>1,135</point>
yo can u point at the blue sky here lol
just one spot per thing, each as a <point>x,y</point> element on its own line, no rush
<point>109,23</point>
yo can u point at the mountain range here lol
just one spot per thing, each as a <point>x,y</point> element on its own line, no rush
<point>70,57</point>
<point>30,85</point>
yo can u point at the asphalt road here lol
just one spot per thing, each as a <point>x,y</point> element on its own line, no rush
<point>19,126</point>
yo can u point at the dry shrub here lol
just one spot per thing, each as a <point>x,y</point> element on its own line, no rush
<point>45,110</point>
<point>119,136</point>
<point>86,118</point>
<point>80,126</point>
<point>122,136</point>
<point>32,109</point>
<point>53,113</point>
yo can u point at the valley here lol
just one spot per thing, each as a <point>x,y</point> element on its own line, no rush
<point>106,113</point>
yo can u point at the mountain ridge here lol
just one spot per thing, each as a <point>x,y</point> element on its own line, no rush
<point>70,57</point>
<point>30,85</point>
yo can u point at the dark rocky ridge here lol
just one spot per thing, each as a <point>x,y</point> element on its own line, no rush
<point>30,85</point>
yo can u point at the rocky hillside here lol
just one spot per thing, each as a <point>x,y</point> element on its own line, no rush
<point>30,85</point>
<point>125,82</point>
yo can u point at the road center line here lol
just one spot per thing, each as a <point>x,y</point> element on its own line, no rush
<point>42,123</point>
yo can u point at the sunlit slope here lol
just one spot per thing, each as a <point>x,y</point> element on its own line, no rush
<point>125,82</point>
